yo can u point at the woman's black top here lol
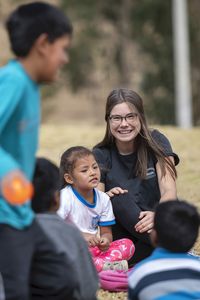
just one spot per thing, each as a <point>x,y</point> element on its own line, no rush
<point>119,170</point>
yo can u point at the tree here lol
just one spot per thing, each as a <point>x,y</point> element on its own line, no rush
<point>147,22</point>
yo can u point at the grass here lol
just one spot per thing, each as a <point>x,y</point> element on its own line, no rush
<point>55,139</point>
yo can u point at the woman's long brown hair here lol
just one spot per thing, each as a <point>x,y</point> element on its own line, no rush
<point>144,142</point>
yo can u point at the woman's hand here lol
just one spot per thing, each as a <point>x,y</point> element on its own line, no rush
<point>116,191</point>
<point>104,244</point>
<point>146,222</point>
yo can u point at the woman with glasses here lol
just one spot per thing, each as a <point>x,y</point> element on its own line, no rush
<point>137,169</point>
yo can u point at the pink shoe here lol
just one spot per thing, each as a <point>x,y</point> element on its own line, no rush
<point>121,265</point>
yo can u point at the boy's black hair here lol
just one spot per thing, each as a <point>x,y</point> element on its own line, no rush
<point>29,21</point>
<point>45,183</point>
<point>177,224</point>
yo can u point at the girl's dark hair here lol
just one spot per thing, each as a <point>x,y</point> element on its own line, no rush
<point>68,160</point>
<point>29,21</point>
<point>144,142</point>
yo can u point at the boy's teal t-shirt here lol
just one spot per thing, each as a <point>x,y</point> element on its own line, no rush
<point>19,125</point>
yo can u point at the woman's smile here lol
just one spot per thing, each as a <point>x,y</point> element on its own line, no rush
<point>127,129</point>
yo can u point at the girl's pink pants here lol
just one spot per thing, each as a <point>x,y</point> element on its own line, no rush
<point>122,249</point>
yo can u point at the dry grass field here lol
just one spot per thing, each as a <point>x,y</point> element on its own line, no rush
<point>54,139</point>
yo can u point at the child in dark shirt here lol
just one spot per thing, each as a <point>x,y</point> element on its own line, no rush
<point>70,259</point>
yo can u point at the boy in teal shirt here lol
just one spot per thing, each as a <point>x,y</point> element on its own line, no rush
<point>39,35</point>
<point>20,118</point>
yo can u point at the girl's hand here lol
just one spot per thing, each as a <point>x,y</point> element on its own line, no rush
<point>91,239</point>
<point>146,222</point>
<point>104,244</point>
<point>116,191</point>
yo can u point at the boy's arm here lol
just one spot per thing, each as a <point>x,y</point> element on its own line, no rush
<point>10,95</point>
<point>13,185</point>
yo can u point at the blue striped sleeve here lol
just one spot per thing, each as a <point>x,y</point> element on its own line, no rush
<point>107,223</point>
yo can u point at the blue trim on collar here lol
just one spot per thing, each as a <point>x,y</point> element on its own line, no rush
<point>85,202</point>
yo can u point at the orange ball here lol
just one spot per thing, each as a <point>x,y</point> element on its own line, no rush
<point>17,190</point>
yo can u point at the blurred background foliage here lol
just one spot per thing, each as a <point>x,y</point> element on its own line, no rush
<point>149,23</point>
<point>122,43</point>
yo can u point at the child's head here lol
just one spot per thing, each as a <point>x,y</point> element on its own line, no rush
<point>79,168</point>
<point>46,186</point>
<point>176,226</point>
<point>29,21</point>
<point>40,26</point>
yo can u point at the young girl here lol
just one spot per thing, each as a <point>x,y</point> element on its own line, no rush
<point>89,208</point>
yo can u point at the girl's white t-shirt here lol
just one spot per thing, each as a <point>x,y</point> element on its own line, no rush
<point>86,216</point>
